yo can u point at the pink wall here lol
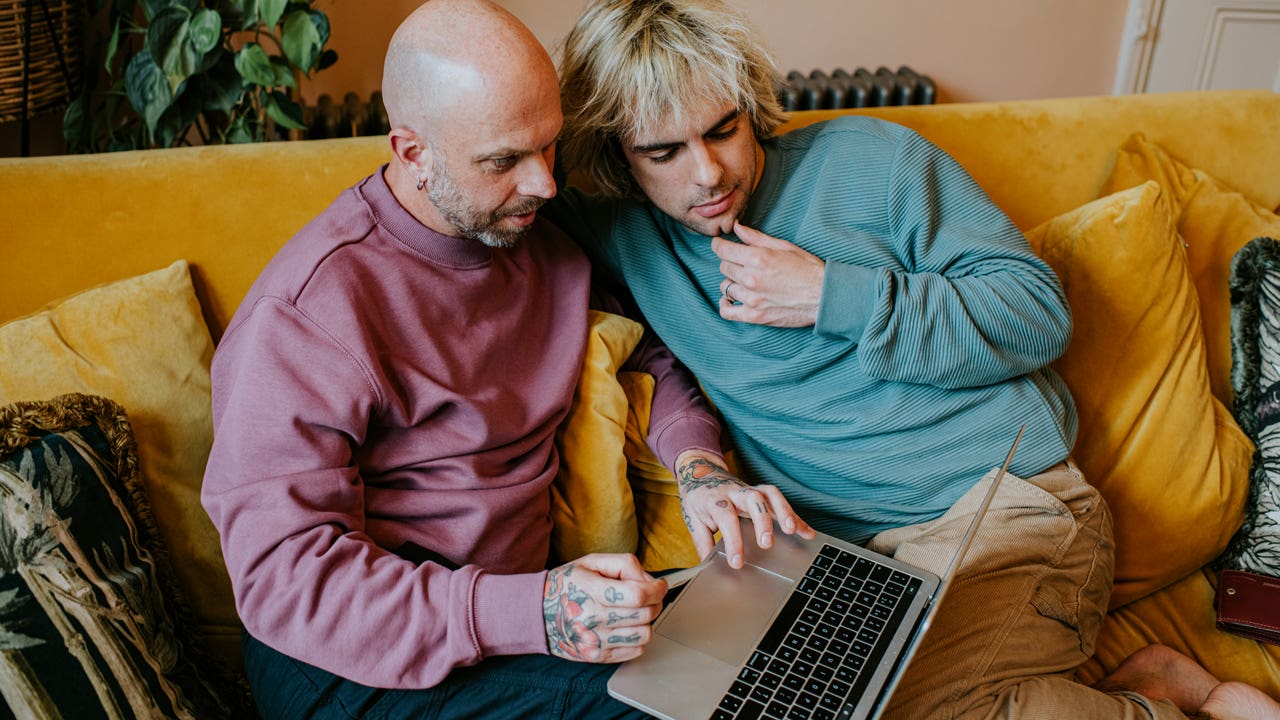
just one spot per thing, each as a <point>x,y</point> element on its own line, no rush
<point>973,49</point>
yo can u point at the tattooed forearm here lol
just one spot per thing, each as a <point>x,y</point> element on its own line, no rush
<point>699,473</point>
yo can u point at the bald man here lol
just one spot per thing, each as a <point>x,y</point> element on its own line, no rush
<point>385,403</point>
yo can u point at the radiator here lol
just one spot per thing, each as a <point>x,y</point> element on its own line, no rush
<point>354,117</point>
<point>862,88</point>
<point>816,91</point>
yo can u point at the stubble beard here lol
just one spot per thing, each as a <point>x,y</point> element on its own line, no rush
<point>479,224</point>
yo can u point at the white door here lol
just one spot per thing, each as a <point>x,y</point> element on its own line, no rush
<point>1173,45</point>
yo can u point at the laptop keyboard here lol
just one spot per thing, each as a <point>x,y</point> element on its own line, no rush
<point>823,647</point>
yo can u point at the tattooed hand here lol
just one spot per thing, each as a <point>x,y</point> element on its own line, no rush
<point>713,500</point>
<point>598,608</point>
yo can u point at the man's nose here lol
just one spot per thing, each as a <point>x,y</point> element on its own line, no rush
<point>707,170</point>
<point>538,180</point>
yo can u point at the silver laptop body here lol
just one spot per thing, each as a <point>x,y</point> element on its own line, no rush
<point>717,651</point>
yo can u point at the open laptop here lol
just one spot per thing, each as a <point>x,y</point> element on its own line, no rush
<point>809,629</point>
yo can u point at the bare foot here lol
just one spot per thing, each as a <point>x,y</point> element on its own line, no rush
<point>1162,673</point>
<point>1238,701</point>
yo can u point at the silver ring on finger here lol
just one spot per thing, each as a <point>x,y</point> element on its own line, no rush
<point>729,295</point>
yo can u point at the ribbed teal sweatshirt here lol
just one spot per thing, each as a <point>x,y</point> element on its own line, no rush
<point>935,326</point>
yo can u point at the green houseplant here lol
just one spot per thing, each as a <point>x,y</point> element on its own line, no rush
<point>208,71</point>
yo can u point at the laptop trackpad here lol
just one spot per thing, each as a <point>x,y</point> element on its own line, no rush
<point>723,611</point>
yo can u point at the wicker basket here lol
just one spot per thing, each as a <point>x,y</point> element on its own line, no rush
<point>47,89</point>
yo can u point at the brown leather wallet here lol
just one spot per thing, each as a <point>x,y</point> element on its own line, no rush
<point>1249,605</point>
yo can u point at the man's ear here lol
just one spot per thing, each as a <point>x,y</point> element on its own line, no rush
<point>410,152</point>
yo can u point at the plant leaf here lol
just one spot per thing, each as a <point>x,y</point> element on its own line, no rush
<point>321,21</point>
<point>113,44</point>
<point>221,86</point>
<point>254,66</point>
<point>238,132</point>
<point>148,89</point>
<point>241,14</point>
<point>271,10</point>
<point>283,72</point>
<point>300,40</point>
<point>327,58</point>
<point>211,59</point>
<point>175,123</point>
<point>76,127</point>
<point>152,8</point>
<point>284,111</point>
<point>206,30</point>
<point>167,43</point>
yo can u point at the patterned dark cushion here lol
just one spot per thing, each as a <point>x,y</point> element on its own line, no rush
<point>90,623</point>
<point>1255,378</point>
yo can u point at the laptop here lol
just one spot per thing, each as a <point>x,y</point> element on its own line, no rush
<point>814,629</point>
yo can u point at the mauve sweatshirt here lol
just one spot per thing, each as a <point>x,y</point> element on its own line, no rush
<point>383,384</point>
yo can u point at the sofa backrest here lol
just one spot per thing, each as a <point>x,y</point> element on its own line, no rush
<point>71,222</point>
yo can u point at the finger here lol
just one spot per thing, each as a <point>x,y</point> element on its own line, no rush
<point>627,644</point>
<point>753,503</point>
<point>630,594</point>
<point>787,518</point>
<point>599,644</point>
<point>732,252</point>
<point>735,283</point>
<point>741,312</point>
<point>725,516</point>
<point>623,655</point>
<point>704,540</point>
<point>729,289</point>
<point>750,236</point>
<point>622,618</point>
<point>623,566</point>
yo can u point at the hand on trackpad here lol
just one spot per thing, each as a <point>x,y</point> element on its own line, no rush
<point>723,612</point>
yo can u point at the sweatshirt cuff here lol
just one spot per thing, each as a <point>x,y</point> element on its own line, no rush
<point>508,614</point>
<point>686,432</point>
<point>848,294</point>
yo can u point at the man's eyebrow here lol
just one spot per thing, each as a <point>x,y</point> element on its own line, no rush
<point>508,151</point>
<point>660,146</point>
<point>499,152</point>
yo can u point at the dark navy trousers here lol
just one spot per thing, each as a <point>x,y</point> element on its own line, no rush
<point>518,686</point>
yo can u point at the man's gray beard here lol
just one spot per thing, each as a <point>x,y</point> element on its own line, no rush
<point>476,225</point>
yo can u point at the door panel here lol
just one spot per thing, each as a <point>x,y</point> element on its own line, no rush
<point>1174,45</point>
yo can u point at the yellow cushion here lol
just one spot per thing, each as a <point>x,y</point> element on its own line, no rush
<point>1215,221</point>
<point>1182,617</point>
<point>143,343</point>
<point>591,504</point>
<point>665,542</point>
<point>612,494</point>
<point>1165,454</point>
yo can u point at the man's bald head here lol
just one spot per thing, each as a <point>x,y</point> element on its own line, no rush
<point>474,105</point>
<point>449,55</point>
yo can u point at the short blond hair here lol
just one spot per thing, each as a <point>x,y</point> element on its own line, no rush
<point>632,66</point>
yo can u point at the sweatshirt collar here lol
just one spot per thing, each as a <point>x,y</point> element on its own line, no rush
<point>439,248</point>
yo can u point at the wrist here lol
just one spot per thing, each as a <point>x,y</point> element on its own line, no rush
<point>696,469</point>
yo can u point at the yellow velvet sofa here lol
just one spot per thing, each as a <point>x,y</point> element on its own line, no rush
<point>1139,202</point>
